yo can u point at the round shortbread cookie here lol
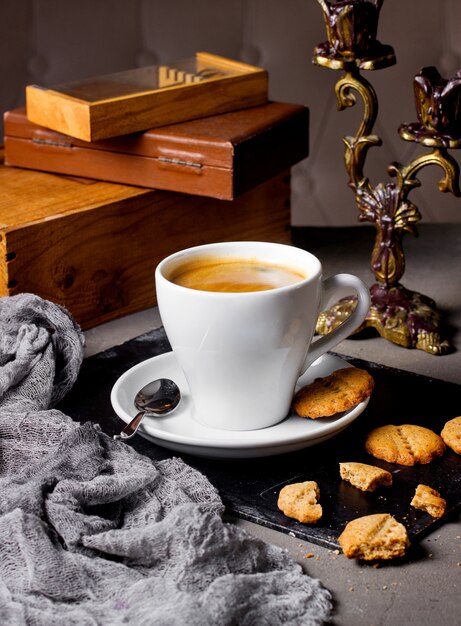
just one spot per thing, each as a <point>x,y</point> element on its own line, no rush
<point>407,444</point>
<point>451,434</point>
<point>340,391</point>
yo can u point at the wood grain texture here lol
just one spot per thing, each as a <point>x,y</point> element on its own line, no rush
<point>93,246</point>
<point>113,117</point>
<point>220,156</point>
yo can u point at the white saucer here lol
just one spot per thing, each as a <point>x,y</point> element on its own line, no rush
<point>181,432</point>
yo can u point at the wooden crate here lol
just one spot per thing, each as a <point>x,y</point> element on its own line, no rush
<point>93,246</point>
<point>143,98</point>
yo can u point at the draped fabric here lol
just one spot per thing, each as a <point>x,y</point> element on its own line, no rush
<point>91,532</point>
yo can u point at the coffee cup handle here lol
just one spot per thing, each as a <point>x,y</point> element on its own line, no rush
<point>334,288</point>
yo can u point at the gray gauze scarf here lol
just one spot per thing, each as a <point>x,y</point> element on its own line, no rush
<point>91,532</point>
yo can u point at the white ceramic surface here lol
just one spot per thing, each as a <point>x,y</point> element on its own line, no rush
<point>247,350</point>
<point>180,431</point>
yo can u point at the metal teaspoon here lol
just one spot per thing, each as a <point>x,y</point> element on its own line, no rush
<point>156,398</point>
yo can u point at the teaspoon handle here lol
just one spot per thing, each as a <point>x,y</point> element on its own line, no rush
<point>131,428</point>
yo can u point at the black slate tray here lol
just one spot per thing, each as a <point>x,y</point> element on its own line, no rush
<point>249,488</point>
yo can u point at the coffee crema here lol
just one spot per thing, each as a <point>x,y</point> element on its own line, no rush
<point>234,275</point>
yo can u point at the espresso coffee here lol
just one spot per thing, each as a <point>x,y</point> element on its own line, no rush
<point>234,275</point>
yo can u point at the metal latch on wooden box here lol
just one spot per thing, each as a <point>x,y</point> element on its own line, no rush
<point>179,162</point>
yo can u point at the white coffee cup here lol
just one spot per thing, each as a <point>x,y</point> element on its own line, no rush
<point>242,353</point>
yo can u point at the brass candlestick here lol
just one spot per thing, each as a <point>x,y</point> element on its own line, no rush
<point>402,316</point>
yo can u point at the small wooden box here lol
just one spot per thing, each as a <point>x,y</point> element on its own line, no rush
<point>220,156</point>
<point>143,98</point>
<point>93,246</point>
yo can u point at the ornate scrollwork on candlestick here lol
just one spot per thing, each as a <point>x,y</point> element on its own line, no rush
<point>404,317</point>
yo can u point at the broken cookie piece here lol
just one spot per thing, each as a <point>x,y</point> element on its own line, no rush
<point>300,501</point>
<point>365,477</point>
<point>372,537</point>
<point>429,500</point>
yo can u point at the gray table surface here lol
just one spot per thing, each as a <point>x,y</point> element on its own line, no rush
<point>426,590</point>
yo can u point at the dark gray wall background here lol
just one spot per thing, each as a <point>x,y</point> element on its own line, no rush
<point>52,41</point>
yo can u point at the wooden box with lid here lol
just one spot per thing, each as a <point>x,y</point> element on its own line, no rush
<point>92,246</point>
<point>138,99</point>
<point>221,156</point>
